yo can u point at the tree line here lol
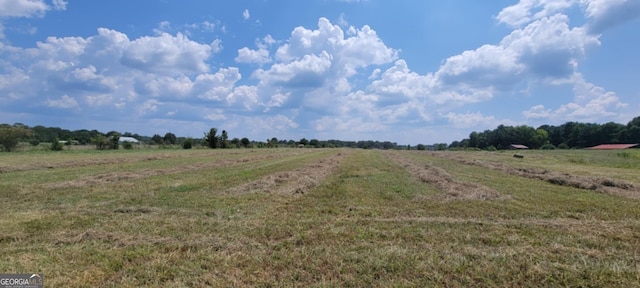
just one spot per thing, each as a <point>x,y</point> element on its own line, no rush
<point>57,138</point>
<point>566,136</point>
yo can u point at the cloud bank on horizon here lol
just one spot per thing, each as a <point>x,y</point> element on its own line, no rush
<point>257,75</point>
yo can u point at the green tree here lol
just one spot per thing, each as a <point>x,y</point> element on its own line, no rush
<point>10,136</point>
<point>235,142</point>
<point>101,142</point>
<point>245,142</point>
<point>56,145</point>
<point>187,144</point>
<point>114,140</point>
<point>224,142</point>
<point>632,131</point>
<point>157,139</point>
<point>211,138</point>
<point>170,138</point>
<point>273,142</point>
<point>540,139</point>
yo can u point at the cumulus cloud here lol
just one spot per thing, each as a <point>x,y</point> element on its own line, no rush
<point>306,72</point>
<point>167,54</point>
<point>110,70</point>
<point>259,56</point>
<point>591,102</point>
<point>363,49</point>
<point>527,11</point>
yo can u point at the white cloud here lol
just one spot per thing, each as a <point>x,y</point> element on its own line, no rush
<point>109,70</point>
<point>60,4</point>
<point>167,54</point>
<point>216,86</point>
<point>268,40</point>
<point>527,11</point>
<point>217,115</point>
<point>273,124</point>
<point>246,55</point>
<point>208,26</point>
<point>277,100</point>
<point>169,87</point>
<point>604,14</point>
<point>399,83</point>
<point>98,100</point>
<point>476,120</point>
<point>148,107</point>
<point>65,102</point>
<point>361,50</point>
<point>306,72</point>
<point>27,9</point>
<point>245,14</point>
<point>22,8</point>
<point>538,112</point>
<point>245,95</point>
<point>591,102</point>
<point>216,46</point>
<point>347,128</point>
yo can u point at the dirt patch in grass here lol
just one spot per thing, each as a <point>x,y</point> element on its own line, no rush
<point>441,179</point>
<point>298,181</point>
<point>599,184</point>
<point>139,210</point>
<point>111,177</point>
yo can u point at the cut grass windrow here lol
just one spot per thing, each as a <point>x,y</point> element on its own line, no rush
<point>453,189</point>
<point>606,185</point>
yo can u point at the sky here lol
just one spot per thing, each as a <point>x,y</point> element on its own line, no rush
<point>410,72</point>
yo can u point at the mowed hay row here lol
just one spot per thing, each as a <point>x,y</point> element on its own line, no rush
<point>453,188</point>
<point>297,181</point>
<point>600,184</point>
<point>214,161</point>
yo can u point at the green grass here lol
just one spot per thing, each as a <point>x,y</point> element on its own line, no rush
<point>154,218</point>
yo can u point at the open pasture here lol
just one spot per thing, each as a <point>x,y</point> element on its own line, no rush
<point>321,217</point>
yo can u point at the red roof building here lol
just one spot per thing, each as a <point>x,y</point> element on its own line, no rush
<point>613,146</point>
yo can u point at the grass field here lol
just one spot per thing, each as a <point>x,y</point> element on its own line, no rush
<point>321,217</point>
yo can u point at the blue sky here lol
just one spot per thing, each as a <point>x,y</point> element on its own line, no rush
<point>404,71</point>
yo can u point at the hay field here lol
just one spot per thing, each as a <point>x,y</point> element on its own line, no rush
<point>321,217</point>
